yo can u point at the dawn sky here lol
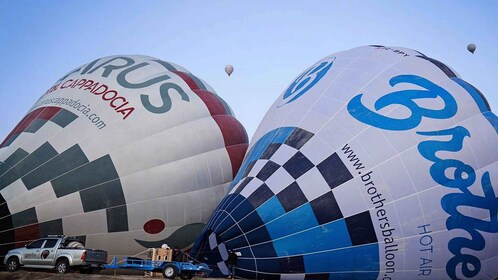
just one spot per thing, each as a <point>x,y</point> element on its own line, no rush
<point>268,42</point>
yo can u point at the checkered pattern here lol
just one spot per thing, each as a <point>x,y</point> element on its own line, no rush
<point>283,170</point>
<point>282,212</point>
<point>69,181</point>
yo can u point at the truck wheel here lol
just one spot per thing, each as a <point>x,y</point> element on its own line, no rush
<point>170,271</point>
<point>62,266</point>
<point>13,264</point>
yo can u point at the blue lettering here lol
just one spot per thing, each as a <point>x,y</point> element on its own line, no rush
<point>108,68</point>
<point>166,106</point>
<point>163,89</point>
<point>121,78</point>
<point>404,98</point>
<point>471,265</point>
<point>126,66</point>
<point>464,174</point>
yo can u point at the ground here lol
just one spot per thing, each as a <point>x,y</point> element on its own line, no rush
<point>50,275</point>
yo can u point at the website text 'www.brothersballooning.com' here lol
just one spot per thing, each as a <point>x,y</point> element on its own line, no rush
<point>381,216</point>
<point>82,108</point>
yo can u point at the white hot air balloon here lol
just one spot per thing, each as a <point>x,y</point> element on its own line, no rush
<point>471,48</point>
<point>127,152</point>
<point>229,69</point>
<point>375,163</point>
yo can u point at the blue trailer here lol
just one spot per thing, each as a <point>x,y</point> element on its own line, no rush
<point>169,269</point>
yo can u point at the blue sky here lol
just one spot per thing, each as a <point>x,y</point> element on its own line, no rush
<point>268,42</point>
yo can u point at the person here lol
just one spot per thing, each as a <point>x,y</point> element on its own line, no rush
<point>232,261</point>
<point>177,255</point>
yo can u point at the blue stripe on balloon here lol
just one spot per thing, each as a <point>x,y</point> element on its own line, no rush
<point>358,258</point>
<point>270,210</point>
<point>326,237</point>
<point>481,102</point>
<point>493,120</point>
<point>355,275</point>
<point>297,220</point>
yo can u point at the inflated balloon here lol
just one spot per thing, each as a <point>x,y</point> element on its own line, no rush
<point>375,163</point>
<point>127,152</point>
<point>471,48</point>
<point>229,69</point>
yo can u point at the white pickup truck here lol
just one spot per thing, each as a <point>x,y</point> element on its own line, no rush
<point>59,252</point>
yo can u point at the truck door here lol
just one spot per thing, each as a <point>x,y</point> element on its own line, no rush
<point>32,255</point>
<point>48,252</point>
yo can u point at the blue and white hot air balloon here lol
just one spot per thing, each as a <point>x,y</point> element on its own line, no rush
<point>126,152</point>
<point>375,163</point>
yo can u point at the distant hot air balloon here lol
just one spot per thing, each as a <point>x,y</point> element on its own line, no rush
<point>471,48</point>
<point>229,69</point>
<point>127,152</point>
<point>375,163</point>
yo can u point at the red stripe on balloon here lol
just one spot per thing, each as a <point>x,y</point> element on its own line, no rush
<point>233,132</point>
<point>49,113</point>
<point>236,154</point>
<point>235,139</point>
<point>190,82</point>
<point>23,124</point>
<point>45,113</point>
<point>212,102</point>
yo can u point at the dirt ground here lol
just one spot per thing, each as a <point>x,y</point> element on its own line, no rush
<point>51,275</point>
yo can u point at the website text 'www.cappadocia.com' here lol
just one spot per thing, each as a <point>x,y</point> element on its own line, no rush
<point>85,110</point>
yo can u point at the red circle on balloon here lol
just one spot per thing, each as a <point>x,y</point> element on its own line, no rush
<point>154,226</point>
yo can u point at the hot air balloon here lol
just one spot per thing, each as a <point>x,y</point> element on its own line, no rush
<point>126,152</point>
<point>471,48</point>
<point>229,69</point>
<point>375,163</point>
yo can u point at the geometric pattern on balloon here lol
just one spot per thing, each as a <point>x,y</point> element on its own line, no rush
<point>260,216</point>
<point>34,120</point>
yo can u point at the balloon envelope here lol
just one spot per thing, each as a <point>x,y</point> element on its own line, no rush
<point>471,48</point>
<point>375,163</point>
<point>126,152</point>
<point>229,69</point>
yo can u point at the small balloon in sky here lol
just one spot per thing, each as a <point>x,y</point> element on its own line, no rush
<point>229,69</point>
<point>471,47</point>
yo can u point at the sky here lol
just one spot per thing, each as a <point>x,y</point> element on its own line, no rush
<point>269,42</point>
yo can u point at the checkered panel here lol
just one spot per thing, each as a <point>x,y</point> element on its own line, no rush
<point>292,197</point>
<point>260,195</point>
<point>268,169</point>
<point>282,211</point>
<point>297,165</point>
<point>313,184</point>
<point>326,208</point>
<point>41,184</point>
